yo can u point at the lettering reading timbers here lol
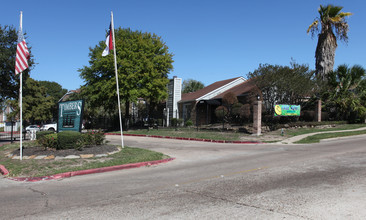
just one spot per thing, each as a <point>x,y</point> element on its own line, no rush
<point>70,115</point>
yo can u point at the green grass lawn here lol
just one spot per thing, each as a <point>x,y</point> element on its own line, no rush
<point>36,168</point>
<point>233,136</point>
<point>189,133</point>
<point>300,131</point>
<point>316,138</point>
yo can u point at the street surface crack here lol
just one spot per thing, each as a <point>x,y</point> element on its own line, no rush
<point>42,193</point>
<point>37,191</point>
<point>243,204</point>
<point>29,215</point>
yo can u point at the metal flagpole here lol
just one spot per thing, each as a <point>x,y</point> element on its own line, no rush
<point>20,98</point>
<point>115,68</point>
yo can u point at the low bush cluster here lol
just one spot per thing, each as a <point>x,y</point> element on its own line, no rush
<point>41,134</point>
<point>189,123</point>
<point>93,137</point>
<point>47,141</point>
<point>176,122</point>
<point>69,139</point>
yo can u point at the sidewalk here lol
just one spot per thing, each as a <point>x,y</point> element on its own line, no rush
<point>299,137</point>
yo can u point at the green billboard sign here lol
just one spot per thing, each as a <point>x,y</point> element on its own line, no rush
<point>287,110</point>
<point>70,115</point>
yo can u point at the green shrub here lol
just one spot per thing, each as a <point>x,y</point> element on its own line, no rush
<point>93,138</point>
<point>80,144</point>
<point>189,123</point>
<point>48,141</point>
<point>68,140</point>
<point>307,115</point>
<point>176,121</point>
<point>245,113</point>
<point>221,112</point>
<point>40,134</point>
<point>180,121</point>
<point>87,138</point>
<point>160,122</point>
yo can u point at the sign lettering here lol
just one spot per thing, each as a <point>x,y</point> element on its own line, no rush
<point>70,115</point>
<point>287,110</point>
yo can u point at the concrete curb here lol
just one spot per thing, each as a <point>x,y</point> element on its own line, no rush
<point>84,172</point>
<point>3,170</point>
<point>189,139</point>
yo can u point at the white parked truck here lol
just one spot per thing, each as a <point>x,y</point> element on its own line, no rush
<point>49,127</point>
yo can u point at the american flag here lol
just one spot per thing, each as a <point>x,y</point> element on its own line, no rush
<point>21,60</point>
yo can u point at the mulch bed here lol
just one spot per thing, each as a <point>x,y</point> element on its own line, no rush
<point>99,149</point>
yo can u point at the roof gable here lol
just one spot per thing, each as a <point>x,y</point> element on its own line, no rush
<point>240,89</point>
<point>212,90</point>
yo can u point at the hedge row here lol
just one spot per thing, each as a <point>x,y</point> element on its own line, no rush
<point>69,139</point>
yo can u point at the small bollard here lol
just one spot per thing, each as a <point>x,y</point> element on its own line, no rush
<point>33,135</point>
<point>282,132</point>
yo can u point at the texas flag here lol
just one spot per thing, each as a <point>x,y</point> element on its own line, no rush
<point>108,42</point>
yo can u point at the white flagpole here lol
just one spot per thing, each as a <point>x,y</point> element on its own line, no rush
<point>20,97</point>
<point>115,68</point>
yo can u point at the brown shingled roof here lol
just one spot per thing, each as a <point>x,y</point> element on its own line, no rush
<point>239,89</point>
<point>195,95</point>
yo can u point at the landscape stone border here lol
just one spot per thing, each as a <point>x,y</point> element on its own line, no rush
<point>53,157</point>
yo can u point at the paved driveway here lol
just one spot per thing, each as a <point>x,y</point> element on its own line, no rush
<point>208,181</point>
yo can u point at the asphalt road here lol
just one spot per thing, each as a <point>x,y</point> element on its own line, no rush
<point>207,181</point>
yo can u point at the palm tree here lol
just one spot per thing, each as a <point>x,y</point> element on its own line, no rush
<point>345,90</point>
<point>333,27</point>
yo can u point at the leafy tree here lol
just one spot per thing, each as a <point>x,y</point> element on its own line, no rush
<point>37,106</point>
<point>333,27</point>
<point>55,92</point>
<point>144,62</point>
<point>231,109</point>
<point>221,112</point>
<point>9,82</point>
<point>191,85</point>
<point>53,89</point>
<point>236,111</point>
<point>283,84</point>
<point>229,99</point>
<point>345,92</point>
<point>96,117</point>
<point>245,112</point>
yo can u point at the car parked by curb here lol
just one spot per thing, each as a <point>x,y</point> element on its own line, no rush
<point>49,127</point>
<point>31,128</point>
